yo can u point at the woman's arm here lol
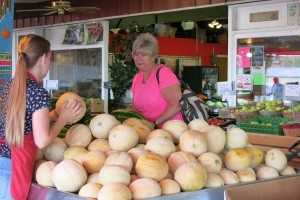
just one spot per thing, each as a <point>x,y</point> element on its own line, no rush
<point>42,132</point>
<point>172,94</point>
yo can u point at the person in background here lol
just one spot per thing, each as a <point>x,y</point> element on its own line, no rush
<point>157,101</point>
<point>25,118</point>
<point>277,89</point>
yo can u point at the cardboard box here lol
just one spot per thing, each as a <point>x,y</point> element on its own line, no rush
<point>280,188</point>
<point>97,105</point>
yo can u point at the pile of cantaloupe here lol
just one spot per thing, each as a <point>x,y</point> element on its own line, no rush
<point>110,160</point>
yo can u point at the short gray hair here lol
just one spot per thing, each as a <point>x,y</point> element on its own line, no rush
<point>146,40</point>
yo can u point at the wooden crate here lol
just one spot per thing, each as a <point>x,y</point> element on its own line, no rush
<point>266,142</point>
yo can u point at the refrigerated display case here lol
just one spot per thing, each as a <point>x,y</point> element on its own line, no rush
<point>264,43</point>
<point>201,79</point>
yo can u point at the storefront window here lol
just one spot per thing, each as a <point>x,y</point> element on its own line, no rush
<point>77,70</point>
<point>261,63</point>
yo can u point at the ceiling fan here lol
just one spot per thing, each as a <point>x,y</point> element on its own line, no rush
<point>61,7</point>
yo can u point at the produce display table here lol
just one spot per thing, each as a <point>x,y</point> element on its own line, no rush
<point>283,187</point>
<point>266,142</point>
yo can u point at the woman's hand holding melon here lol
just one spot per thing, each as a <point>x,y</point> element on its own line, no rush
<point>70,110</point>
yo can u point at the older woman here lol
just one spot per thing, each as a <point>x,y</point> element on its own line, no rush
<point>158,101</point>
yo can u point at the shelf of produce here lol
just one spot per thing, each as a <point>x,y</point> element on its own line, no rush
<point>266,142</point>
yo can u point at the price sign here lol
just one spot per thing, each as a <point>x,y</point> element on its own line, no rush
<point>52,85</point>
<point>292,92</point>
<point>224,88</point>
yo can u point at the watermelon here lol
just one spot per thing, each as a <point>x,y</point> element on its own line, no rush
<point>123,114</point>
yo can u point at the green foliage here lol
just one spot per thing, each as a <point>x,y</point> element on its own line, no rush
<point>123,69</point>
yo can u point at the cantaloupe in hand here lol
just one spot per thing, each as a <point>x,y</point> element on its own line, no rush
<point>70,96</point>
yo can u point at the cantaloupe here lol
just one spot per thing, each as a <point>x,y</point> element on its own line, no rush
<point>93,161</point>
<point>114,191</point>
<point>132,121</point>
<point>121,159</point>
<point>122,138</point>
<point>112,173</point>
<point>176,128</point>
<point>55,150</point>
<point>160,133</point>
<point>236,138</point>
<point>193,141</point>
<point>215,137</point>
<point>257,156</point>
<point>288,170</point>
<point>99,144</point>
<point>142,131</point>
<point>75,152</point>
<point>276,158</point>
<point>246,176</point>
<point>93,178</point>
<point>229,177</point>
<point>191,176</point>
<point>237,159</point>
<point>213,180</point>
<point>161,146</point>
<point>70,96</point>
<point>197,124</point>
<point>169,186</point>
<point>144,188</point>
<point>69,176</point>
<point>178,158</point>
<point>266,172</point>
<point>79,135</point>
<point>211,161</point>
<point>101,124</point>
<point>135,153</point>
<point>44,173</point>
<point>151,165</point>
<point>90,190</point>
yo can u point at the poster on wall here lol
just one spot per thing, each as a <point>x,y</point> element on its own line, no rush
<point>257,56</point>
<point>5,69</point>
<point>244,57</point>
<point>244,82</point>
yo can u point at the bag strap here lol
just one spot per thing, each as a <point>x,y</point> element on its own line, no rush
<point>157,74</point>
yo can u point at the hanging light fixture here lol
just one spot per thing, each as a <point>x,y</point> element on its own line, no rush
<point>215,24</point>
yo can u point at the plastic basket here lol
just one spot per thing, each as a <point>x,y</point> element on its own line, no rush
<point>271,114</point>
<point>244,115</point>
<point>290,115</point>
<point>263,125</point>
